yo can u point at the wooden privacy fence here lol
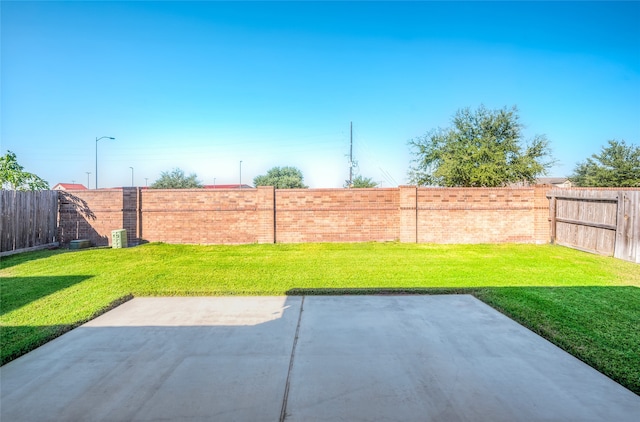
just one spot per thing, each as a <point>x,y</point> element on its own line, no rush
<point>601,221</point>
<point>29,220</point>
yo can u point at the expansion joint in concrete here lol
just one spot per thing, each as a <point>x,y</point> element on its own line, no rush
<point>285,398</point>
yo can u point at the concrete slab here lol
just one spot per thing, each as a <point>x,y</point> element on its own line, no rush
<point>150,359</point>
<point>356,358</point>
<point>438,358</point>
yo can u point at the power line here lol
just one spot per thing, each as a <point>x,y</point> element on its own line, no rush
<point>367,150</point>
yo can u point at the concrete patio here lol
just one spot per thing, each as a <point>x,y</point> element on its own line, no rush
<point>312,358</point>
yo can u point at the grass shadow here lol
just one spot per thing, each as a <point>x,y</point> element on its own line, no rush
<point>16,341</point>
<point>16,292</point>
<point>25,257</point>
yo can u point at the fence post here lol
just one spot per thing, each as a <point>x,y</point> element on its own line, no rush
<point>628,226</point>
<point>552,217</point>
<point>139,214</point>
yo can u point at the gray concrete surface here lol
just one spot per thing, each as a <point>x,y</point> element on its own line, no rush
<point>325,358</point>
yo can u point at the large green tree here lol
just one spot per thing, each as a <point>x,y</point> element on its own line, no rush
<point>281,178</point>
<point>13,176</point>
<point>176,179</point>
<point>361,182</point>
<point>482,148</point>
<point>617,165</point>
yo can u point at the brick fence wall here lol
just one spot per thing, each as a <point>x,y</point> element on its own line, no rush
<point>336,215</point>
<point>266,215</point>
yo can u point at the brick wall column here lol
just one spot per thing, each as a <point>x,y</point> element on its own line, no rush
<point>541,224</point>
<point>130,215</point>
<point>266,203</point>
<point>408,214</point>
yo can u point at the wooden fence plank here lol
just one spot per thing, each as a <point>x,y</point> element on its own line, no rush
<point>586,223</point>
<point>552,219</point>
<point>628,234</point>
<point>29,219</point>
<point>601,221</point>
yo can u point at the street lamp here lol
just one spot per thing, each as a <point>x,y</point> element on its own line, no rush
<point>97,139</point>
<point>131,176</point>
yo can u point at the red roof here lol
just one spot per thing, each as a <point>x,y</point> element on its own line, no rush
<point>69,186</point>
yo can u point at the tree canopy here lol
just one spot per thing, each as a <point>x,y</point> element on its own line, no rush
<point>617,165</point>
<point>483,148</point>
<point>361,182</point>
<point>13,176</point>
<point>281,178</point>
<point>176,179</point>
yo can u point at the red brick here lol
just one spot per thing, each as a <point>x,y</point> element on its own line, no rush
<point>265,215</point>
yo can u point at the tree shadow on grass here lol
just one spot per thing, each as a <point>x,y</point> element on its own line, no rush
<point>16,292</point>
<point>24,257</point>
<point>16,341</point>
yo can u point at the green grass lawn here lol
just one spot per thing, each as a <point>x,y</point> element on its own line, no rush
<point>587,304</point>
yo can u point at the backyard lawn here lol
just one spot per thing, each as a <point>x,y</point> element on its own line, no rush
<point>587,304</point>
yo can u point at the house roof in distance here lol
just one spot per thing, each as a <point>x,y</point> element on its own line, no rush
<point>69,186</point>
<point>551,180</point>
<point>559,182</point>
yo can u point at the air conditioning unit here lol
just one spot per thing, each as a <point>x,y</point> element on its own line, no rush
<point>119,238</point>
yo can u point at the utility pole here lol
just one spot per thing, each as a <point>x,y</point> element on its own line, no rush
<point>351,154</point>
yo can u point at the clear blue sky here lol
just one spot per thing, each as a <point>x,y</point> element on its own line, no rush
<point>203,85</point>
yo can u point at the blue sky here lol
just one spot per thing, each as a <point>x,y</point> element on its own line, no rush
<point>204,85</point>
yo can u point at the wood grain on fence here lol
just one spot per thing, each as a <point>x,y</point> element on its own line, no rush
<point>600,221</point>
<point>29,219</point>
<point>627,245</point>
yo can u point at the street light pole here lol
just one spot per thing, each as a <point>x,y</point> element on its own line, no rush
<point>131,176</point>
<point>97,139</point>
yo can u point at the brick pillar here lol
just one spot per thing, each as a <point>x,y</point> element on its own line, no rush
<point>130,209</point>
<point>408,214</point>
<point>266,201</point>
<point>541,217</point>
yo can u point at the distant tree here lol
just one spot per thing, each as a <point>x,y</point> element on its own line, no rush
<point>175,179</point>
<point>281,178</point>
<point>617,165</point>
<point>13,176</point>
<point>483,148</point>
<point>361,182</point>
